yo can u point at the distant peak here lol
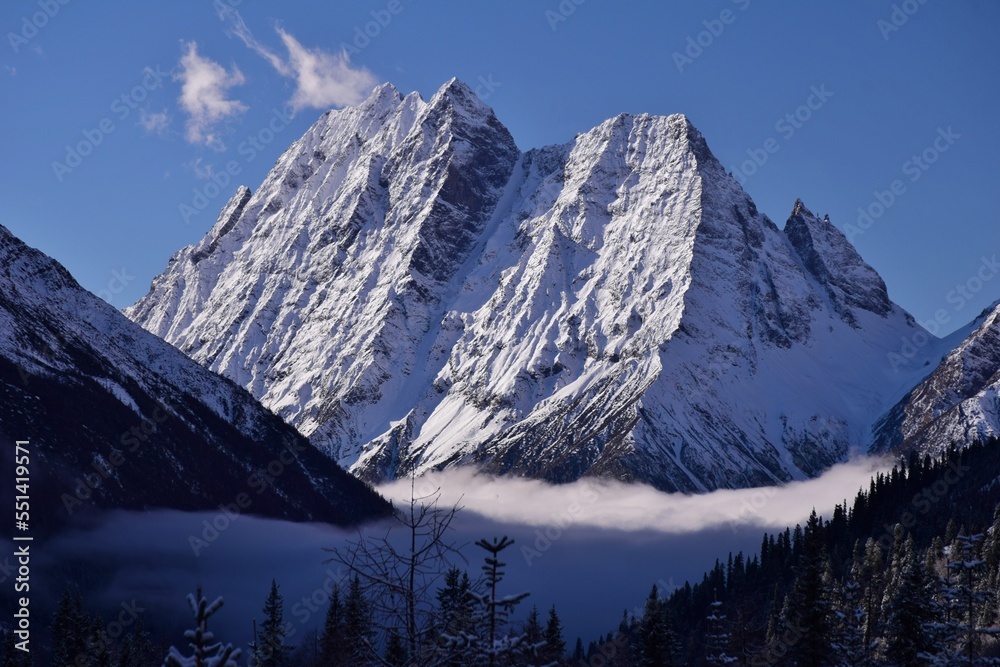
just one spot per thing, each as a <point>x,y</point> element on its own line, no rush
<point>831,259</point>
<point>800,210</point>
<point>384,89</point>
<point>383,93</point>
<point>456,91</point>
<point>681,119</point>
<point>455,98</point>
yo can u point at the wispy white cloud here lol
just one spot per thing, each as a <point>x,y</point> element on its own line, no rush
<point>636,507</point>
<point>205,87</point>
<point>203,170</point>
<point>322,79</point>
<point>154,122</point>
<point>238,28</point>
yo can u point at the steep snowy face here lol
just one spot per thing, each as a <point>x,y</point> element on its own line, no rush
<point>650,324</point>
<point>117,418</point>
<point>957,404</point>
<point>321,292</point>
<point>412,293</point>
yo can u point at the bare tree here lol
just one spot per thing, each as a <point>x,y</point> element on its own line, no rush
<point>400,572</point>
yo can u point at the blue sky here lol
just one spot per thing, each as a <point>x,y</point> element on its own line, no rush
<point>869,106</point>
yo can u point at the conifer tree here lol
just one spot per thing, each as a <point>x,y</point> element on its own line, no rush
<point>908,612</point>
<point>455,627</point>
<point>358,625</point>
<point>809,613</point>
<point>70,629</point>
<point>494,609</point>
<point>205,651</point>
<point>534,641</point>
<point>137,650</point>
<point>872,577</point>
<point>97,645</point>
<point>849,631</point>
<point>332,641</point>
<point>395,651</point>
<point>307,652</point>
<point>775,617</point>
<point>895,567</point>
<point>272,650</point>
<point>991,554</point>
<point>717,638</point>
<point>659,643</point>
<point>13,657</point>
<point>555,646</point>
<point>959,635</point>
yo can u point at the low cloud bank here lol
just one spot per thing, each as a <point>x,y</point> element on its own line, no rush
<point>638,507</point>
<point>593,548</point>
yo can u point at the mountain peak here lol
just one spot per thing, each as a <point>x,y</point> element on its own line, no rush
<point>384,89</point>
<point>799,210</point>
<point>831,259</point>
<point>418,293</point>
<point>383,94</point>
<point>457,95</point>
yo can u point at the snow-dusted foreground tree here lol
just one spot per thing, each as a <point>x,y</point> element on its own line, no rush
<point>205,651</point>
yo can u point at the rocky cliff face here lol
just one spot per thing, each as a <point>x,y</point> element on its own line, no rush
<point>413,292</point>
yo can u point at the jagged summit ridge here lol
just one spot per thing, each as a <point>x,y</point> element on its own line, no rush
<point>412,292</point>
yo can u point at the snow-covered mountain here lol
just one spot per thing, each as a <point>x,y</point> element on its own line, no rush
<point>413,292</point>
<point>958,403</point>
<point>118,419</point>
